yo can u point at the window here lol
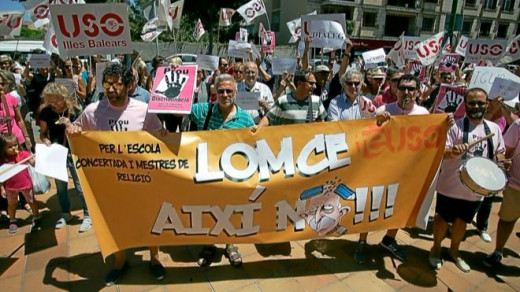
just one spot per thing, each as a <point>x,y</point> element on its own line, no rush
<point>427,24</point>
<point>517,29</point>
<point>502,31</point>
<point>466,27</point>
<point>470,3</point>
<point>276,4</point>
<point>491,4</point>
<point>276,20</point>
<point>369,19</point>
<point>509,5</point>
<point>485,28</point>
<point>431,1</point>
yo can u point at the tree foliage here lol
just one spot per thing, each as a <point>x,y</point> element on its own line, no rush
<point>32,34</point>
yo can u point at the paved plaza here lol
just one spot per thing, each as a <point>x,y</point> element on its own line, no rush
<point>65,260</point>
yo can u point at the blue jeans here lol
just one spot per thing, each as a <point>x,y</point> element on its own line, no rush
<point>63,190</point>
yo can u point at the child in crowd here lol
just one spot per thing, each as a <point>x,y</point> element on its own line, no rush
<point>20,182</point>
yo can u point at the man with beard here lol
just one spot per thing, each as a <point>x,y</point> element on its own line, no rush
<point>457,204</point>
<point>120,113</point>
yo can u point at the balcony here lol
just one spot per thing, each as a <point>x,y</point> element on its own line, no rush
<point>412,6</point>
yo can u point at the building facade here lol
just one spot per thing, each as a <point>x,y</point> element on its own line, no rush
<point>385,20</point>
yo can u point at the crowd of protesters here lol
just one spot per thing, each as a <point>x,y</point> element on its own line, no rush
<point>341,90</point>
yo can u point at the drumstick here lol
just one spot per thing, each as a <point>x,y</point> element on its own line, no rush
<point>470,145</point>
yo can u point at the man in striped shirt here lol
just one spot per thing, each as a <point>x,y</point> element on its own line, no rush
<point>225,114</point>
<point>297,107</point>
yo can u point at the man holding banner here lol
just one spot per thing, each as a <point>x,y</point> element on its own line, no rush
<point>223,115</point>
<point>118,112</point>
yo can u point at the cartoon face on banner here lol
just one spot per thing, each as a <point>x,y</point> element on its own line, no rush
<point>172,91</point>
<point>451,100</point>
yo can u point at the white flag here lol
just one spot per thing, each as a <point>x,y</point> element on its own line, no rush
<point>39,11</point>
<point>261,31</point>
<point>11,23</point>
<point>150,36</point>
<point>295,27</point>
<point>225,15</point>
<point>251,10</point>
<point>175,13</point>
<point>396,53</point>
<point>512,52</point>
<point>429,49</point>
<point>50,43</point>
<point>199,30</point>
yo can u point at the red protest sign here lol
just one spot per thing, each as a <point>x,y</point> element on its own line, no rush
<point>451,100</point>
<point>268,42</point>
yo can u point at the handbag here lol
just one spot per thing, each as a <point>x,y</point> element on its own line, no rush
<point>41,184</point>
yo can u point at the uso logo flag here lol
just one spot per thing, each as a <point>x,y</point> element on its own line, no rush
<point>91,29</point>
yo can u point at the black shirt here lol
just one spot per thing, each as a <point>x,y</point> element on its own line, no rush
<point>57,131</point>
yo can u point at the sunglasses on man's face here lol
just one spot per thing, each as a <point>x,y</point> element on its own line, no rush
<point>222,91</point>
<point>409,88</point>
<point>117,86</point>
<point>351,83</point>
<point>474,103</point>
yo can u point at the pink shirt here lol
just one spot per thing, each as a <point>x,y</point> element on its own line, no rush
<point>395,110</point>
<point>21,180</point>
<point>511,138</point>
<point>133,116</point>
<point>12,104</point>
<point>449,183</point>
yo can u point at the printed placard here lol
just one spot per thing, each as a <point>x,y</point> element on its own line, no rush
<point>248,100</point>
<point>100,67</point>
<point>68,83</point>
<point>268,42</point>
<point>450,58</point>
<point>40,61</point>
<point>327,34</point>
<point>207,62</point>
<point>238,49</point>
<point>172,90</point>
<point>91,29</point>
<point>484,77</point>
<point>281,65</point>
<point>504,87</point>
<point>451,100</point>
<point>415,67</point>
<point>307,19</point>
<point>374,57</point>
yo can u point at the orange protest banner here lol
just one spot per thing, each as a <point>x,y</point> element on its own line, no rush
<point>280,184</point>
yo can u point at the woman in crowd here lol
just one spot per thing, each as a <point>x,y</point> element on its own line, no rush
<point>58,108</point>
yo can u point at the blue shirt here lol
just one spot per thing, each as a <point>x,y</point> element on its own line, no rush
<point>341,108</point>
<point>140,94</point>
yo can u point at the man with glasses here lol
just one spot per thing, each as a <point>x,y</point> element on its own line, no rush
<point>408,89</point>
<point>223,115</point>
<point>250,84</point>
<point>375,78</point>
<point>390,94</point>
<point>223,65</point>
<point>456,204</point>
<point>118,112</point>
<point>350,104</point>
<point>296,107</point>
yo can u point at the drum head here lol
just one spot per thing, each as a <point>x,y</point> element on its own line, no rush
<point>486,173</point>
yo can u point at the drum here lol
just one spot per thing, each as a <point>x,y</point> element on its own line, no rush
<point>482,176</point>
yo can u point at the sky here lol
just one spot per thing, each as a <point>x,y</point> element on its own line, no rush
<point>9,5</point>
